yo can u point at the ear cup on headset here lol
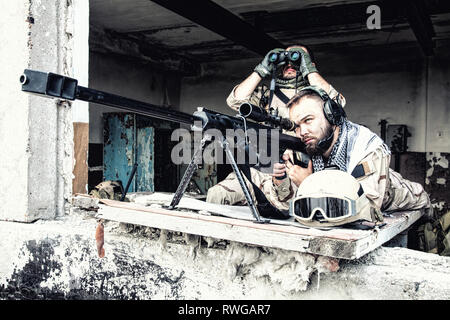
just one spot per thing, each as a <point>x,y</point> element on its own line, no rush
<point>333,111</point>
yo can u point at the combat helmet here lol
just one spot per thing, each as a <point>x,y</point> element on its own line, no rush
<point>331,198</point>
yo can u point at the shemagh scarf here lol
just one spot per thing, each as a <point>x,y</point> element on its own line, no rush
<point>354,143</point>
<point>291,83</point>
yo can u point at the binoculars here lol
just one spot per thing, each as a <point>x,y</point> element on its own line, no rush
<point>285,56</point>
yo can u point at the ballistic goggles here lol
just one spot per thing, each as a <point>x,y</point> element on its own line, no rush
<point>326,207</point>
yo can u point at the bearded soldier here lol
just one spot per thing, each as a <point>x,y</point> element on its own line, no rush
<point>333,141</point>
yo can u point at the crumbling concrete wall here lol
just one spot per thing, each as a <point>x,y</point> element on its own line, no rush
<point>437,181</point>
<point>35,133</point>
<point>59,260</point>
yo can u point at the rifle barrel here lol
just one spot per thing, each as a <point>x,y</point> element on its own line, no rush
<point>57,86</point>
<point>123,103</point>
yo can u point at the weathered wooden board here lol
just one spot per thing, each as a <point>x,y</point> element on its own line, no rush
<point>341,243</point>
<point>81,145</point>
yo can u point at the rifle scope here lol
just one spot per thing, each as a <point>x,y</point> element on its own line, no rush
<point>250,111</point>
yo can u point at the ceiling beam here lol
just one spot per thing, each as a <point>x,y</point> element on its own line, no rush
<point>419,19</point>
<point>221,21</point>
<point>329,18</point>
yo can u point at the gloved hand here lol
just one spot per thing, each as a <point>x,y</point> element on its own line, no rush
<point>306,64</point>
<point>265,68</point>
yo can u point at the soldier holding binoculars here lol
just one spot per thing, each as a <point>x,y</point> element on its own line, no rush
<point>293,68</point>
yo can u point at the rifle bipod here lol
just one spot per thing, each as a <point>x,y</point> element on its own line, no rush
<point>193,166</point>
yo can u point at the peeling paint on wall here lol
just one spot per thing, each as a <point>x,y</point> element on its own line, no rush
<point>54,270</point>
<point>145,152</point>
<point>437,180</point>
<point>119,151</point>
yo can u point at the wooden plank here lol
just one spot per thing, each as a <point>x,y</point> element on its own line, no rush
<point>232,232</point>
<point>81,146</point>
<point>340,243</point>
<point>337,233</point>
<point>395,224</point>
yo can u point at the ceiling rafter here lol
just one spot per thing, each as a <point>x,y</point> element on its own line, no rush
<point>223,22</point>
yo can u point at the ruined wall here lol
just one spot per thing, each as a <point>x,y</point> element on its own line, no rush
<point>211,88</point>
<point>35,133</point>
<point>116,68</point>
<point>124,67</point>
<point>59,260</point>
<point>437,181</point>
<point>438,95</point>
<point>382,83</point>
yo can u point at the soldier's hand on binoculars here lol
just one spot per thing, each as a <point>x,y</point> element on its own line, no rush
<point>265,67</point>
<point>307,66</point>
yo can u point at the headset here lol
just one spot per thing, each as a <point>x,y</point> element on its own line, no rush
<point>333,110</point>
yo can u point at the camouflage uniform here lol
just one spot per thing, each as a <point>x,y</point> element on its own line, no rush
<point>385,188</point>
<point>229,190</point>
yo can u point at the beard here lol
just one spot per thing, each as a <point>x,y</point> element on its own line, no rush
<point>316,149</point>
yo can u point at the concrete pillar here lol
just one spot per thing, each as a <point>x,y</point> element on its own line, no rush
<point>36,133</point>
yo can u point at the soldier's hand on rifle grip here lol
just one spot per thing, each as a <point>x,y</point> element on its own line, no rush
<point>303,160</point>
<point>279,170</point>
<point>296,173</point>
<point>282,168</point>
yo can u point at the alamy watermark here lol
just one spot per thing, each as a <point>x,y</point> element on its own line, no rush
<point>374,20</point>
<point>259,148</point>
